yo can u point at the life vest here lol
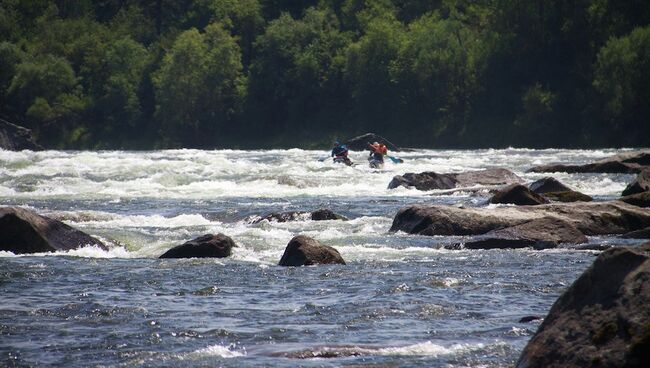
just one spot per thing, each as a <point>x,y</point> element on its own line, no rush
<point>379,148</point>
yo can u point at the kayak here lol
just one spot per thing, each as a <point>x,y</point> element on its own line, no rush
<point>376,164</point>
<point>343,160</point>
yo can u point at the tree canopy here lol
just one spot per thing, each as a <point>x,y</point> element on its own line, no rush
<point>142,74</point>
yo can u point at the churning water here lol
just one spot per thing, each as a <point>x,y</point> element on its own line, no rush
<point>401,300</point>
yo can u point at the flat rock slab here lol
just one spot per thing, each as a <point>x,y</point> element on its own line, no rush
<point>542,233</point>
<point>601,320</point>
<point>591,218</point>
<point>305,251</point>
<point>430,180</point>
<point>206,246</point>
<point>629,162</point>
<point>23,231</point>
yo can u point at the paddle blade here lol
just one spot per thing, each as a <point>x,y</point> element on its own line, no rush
<point>396,160</point>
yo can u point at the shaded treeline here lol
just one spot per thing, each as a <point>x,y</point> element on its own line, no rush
<point>259,73</point>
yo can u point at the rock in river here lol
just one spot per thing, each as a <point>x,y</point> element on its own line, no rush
<point>360,143</point>
<point>318,215</point>
<point>591,218</point>
<point>429,180</point>
<point>639,199</point>
<point>208,245</point>
<point>23,231</point>
<point>519,195</point>
<point>601,320</point>
<point>629,162</point>
<point>640,184</point>
<point>552,189</point>
<point>305,251</point>
<point>542,233</point>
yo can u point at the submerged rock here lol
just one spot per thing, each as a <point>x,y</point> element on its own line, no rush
<point>591,218</point>
<point>23,231</point>
<point>519,195</point>
<point>601,320</point>
<point>430,180</point>
<point>360,143</point>
<point>630,162</point>
<point>318,215</point>
<point>305,251</point>
<point>205,246</point>
<point>542,233</point>
<point>640,184</point>
<point>16,138</point>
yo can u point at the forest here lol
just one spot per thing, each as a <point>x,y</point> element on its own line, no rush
<point>153,74</point>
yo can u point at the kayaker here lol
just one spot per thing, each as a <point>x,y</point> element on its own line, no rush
<point>377,153</point>
<point>340,153</point>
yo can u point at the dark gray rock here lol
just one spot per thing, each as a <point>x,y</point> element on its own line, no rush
<point>519,195</point>
<point>527,319</point>
<point>305,251</point>
<point>318,215</point>
<point>552,189</point>
<point>205,246</point>
<point>639,199</point>
<point>630,162</point>
<point>568,196</point>
<point>591,218</point>
<point>601,320</point>
<point>541,233</point>
<point>430,180</point>
<point>360,143</point>
<point>547,185</point>
<point>638,234</point>
<point>16,138</point>
<point>427,180</point>
<point>639,185</point>
<point>23,231</point>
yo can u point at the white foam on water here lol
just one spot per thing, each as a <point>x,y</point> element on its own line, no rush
<point>214,351</point>
<point>83,252</point>
<point>429,349</point>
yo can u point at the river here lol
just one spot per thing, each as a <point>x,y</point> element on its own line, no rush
<point>401,300</point>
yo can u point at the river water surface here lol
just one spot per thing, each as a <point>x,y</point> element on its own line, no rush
<point>401,301</point>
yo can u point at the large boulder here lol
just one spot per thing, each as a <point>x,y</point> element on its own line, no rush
<point>541,233</point>
<point>360,143</point>
<point>205,246</point>
<point>318,215</point>
<point>519,195</point>
<point>548,185</point>
<point>591,218</point>
<point>629,162</point>
<point>23,231</point>
<point>640,184</point>
<point>429,180</point>
<point>305,251</point>
<point>16,138</point>
<point>601,320</point>
<point>554,190</point>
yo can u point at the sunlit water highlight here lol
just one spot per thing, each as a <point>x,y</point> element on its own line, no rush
<point>401,301</point>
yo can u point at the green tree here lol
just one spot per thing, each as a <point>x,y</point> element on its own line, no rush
<point>297,74</point>
<point>623,82</point>
<point>199,87</point>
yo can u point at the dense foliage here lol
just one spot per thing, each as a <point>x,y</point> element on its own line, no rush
<point>140,74</point>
